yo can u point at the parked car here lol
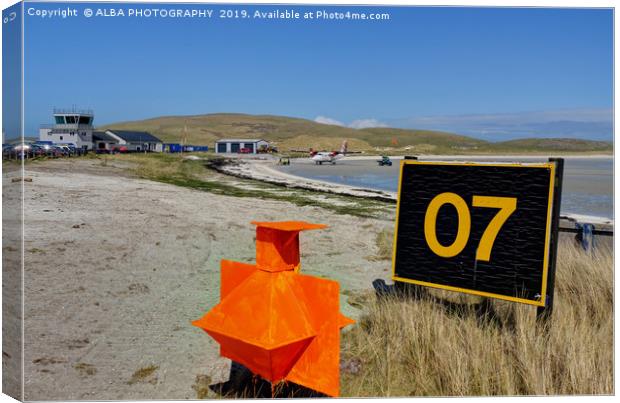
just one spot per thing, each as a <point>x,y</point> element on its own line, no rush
<point>245,150</point>
<point>64,148</point>
<point>47,148</point>
<point>120,149</point>
<point>52,151</point>
<point>22,150</point>
<point>37,150</point>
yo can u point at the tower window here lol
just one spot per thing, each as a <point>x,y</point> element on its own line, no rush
<point>60,138</point>
<point>60,120</point>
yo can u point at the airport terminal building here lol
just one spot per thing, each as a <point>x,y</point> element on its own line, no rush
<point>71,126</point>
<point>75,127</point>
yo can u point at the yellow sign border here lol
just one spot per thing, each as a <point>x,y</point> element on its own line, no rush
<point>543,292</point>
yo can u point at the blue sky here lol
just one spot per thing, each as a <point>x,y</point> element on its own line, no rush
<point>487,72</point>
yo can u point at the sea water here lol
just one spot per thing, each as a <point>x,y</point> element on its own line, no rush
<point>587,187</point>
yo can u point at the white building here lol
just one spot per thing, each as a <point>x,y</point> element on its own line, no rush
<point>250,146</point>
<point>134,141</point>
<point>71,126</point>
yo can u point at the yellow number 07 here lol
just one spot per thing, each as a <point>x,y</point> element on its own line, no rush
<point>507,206</point>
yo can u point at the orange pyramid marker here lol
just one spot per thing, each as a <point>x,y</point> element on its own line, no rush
<point>279,324</point>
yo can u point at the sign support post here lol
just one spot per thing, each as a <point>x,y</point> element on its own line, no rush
<point>544,313</point>
<point>407,289</point>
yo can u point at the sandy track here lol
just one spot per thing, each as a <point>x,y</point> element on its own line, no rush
<point>116,268</point>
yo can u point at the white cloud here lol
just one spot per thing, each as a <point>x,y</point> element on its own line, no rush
<point>328,121</point>
<point>356,124</point>
<point>366,123</point>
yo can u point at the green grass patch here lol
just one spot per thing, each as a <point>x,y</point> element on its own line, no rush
<point>174,170</point>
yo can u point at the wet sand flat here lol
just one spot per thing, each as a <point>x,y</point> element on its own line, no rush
<point>587,188</point>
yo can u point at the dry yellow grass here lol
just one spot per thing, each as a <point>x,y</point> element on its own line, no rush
<point>436,347</point>
<point>144,374</point>
<point>384,242</point>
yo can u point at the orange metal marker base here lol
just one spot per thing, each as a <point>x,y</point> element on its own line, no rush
<point>280,324</point>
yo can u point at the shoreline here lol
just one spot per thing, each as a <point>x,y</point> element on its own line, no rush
<point>486,156</point>
<point>265,170</point>
<point>261,170</point>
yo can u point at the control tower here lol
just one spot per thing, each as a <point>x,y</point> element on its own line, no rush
<point>71,126</point>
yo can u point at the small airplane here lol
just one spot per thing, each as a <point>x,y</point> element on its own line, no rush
<point>319,157</point>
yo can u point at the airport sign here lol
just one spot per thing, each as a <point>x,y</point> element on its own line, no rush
<point>478,228</point>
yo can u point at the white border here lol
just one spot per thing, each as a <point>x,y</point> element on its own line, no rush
<point>470,3</point>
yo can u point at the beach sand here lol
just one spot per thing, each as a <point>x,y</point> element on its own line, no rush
<point>12,314</point>
<point>116,268</point>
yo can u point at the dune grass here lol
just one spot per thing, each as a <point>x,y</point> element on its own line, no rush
<point>175,170</point>
<point>384,241</point>
<point>444,344</point>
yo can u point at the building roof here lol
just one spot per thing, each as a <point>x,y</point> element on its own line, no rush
<point>132,136</point>
<point>73,111</point>
<point>240,140</point>
<point>103,136</point>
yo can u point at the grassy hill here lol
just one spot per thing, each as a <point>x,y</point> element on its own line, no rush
<point>420,140</point>
<point>295,133</point>
<point>206,129</point>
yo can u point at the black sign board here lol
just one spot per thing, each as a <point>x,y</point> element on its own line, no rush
<point>478,228</point>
